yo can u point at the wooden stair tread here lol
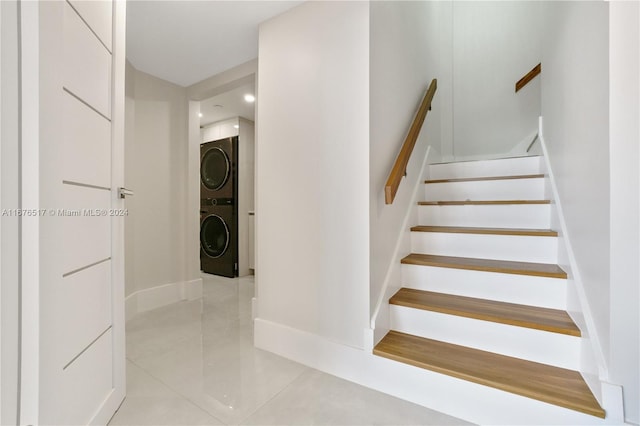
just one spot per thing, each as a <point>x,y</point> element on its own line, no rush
<point>491,231</point>
<point>481,202</point>
<point>558,386</point>
<point>553,320</point>
<point>478,179</point>
<point>488,265</point>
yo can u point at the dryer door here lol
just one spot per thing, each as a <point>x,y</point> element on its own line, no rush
<point>214,236</point>
<point>215,169</point>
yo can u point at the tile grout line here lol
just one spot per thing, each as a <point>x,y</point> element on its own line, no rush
<point>174,391</point>
<point>306,369</point>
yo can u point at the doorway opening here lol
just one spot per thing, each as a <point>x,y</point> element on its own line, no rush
<point>227,146</point>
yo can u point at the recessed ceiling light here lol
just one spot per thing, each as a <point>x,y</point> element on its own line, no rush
<point>218,106</point>
<point>236,126</point>
<point>249,98</point>
<point>200,114</point>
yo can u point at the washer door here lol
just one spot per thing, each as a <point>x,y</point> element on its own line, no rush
<point>215,169</point>
<point>214,236</point>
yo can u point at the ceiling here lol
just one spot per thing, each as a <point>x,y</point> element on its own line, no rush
<point>228,105</point>
<point>186,41</point>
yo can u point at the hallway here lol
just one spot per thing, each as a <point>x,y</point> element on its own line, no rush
<point>193,363</point>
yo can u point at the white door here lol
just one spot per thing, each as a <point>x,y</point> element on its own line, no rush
<point>79,292</point>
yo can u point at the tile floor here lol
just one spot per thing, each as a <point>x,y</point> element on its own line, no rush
<point>193,363</point>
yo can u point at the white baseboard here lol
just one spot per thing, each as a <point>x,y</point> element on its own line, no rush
<point>254,308</point>
<point>130,306</point>
<point>162,295</point>
<point>192,290</point>
<point>465,400</point>
<point>613,401</point>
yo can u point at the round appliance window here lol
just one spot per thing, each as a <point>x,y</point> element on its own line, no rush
<point>215,169</point>
<point>214,236</point>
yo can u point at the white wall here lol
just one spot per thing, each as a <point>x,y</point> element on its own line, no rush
<point>494,45</point>
<point>156,170</point>
<point>405,40</point>
<point>575,110</point>
<point>624,162</point>
<point>312,206</point>
<point>9,261</point>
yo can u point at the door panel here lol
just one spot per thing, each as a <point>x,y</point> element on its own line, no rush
<point>97,14</point>
<point>87,299</point>
<point>86,383</point>
<point>87,144</point>
<point>87,63</point>
<point>80,301</point>
<point>87,237</point>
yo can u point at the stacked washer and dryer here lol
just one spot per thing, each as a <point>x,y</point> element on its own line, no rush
<point>219,207</point>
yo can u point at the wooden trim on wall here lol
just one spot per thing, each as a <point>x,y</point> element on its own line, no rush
<point>528,77</point>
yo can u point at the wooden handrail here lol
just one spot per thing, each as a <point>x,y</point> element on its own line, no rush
<point>400,166</point>
<point>528,77</point>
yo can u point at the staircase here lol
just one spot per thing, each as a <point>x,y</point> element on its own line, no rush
<point>482,297</point>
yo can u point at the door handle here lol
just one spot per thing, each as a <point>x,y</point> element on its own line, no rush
<point>124,192</point>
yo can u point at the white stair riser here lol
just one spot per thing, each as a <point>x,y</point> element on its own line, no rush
<point>521,289</point>
<point>486,168</point>
<point>545,347</point>
<point>535,216</point>
<point>483,246</point>
<point>508,189</point>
